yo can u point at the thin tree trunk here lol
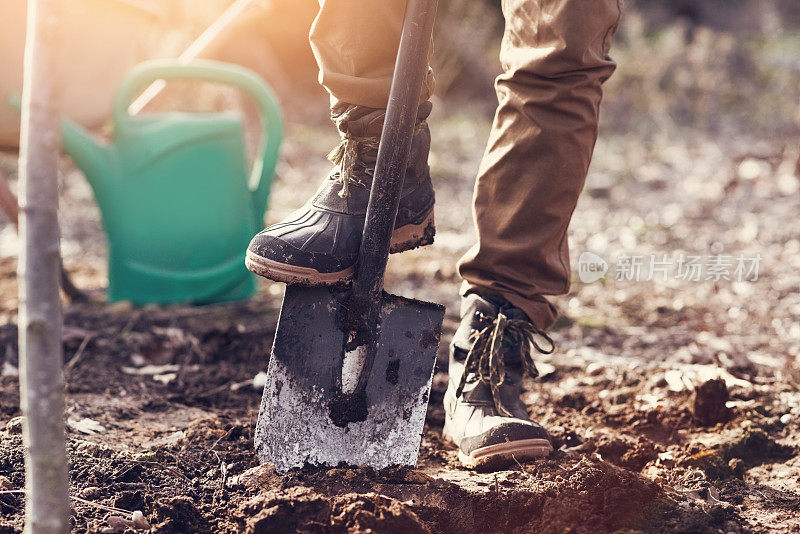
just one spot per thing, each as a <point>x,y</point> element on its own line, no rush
<point>41,358</point>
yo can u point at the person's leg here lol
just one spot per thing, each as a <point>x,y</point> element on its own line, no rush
<point>355,43</point>
<point>555,57</point>
<point>554,53</point>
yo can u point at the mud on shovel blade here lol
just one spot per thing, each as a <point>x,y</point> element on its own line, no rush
<point>295,425</point>
<point>350,372</point>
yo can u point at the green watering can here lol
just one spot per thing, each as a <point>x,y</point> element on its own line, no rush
<point>177,200</point>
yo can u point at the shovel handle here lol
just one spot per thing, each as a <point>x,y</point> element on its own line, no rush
<point>362,311</point>
<point>401,116</point>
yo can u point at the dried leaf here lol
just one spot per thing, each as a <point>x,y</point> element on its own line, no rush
<point>86,426</point>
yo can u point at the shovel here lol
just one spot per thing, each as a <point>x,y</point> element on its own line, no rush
<point>350,372</point>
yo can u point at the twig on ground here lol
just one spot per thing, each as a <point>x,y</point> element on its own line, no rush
<point>78,499</point>
<point>101,506</point>
<point>517,461</point>
<point>166,468</point>
<point>129,325</point>
<point>223,436</point>
<point>233,386</point>
<point>223,469</point>
<point>73,362</point>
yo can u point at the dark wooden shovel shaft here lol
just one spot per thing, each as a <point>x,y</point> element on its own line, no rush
<point>401,115</point>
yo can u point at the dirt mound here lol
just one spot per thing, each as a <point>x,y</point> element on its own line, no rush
<point>595,496</point>
<point>301,509</point>
<point>176,515</point>
<point>730,459</point>
<point>572,494</point>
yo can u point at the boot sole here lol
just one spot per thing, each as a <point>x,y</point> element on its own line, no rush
<point>493,457</point>
<point>405,238</point>
<point>501,455</point>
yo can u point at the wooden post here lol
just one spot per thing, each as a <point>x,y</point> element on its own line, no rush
<point>41,358</point>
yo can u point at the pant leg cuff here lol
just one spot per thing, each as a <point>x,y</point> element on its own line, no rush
<point>538,309</point>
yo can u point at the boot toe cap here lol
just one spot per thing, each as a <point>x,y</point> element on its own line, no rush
<point>301,247</point>
<point>271,247</point>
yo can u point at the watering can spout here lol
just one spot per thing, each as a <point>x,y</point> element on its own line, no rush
<point>92,158</point>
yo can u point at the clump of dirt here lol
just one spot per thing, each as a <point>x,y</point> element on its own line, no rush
<point>177,515</point>
<point>575,400</point>
<point>630,453</point>
<point>346,408</point>
<point>756,447</point>
<point>373,513</point>
<point>709,403</point>
<point>301,509</point>
<point>297,508</point>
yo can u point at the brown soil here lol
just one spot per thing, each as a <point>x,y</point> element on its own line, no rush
<point>176,444</point>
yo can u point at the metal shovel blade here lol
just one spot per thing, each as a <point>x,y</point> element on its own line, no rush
<point>298,423</point>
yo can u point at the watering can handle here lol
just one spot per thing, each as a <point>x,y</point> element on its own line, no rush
<point>217,71</point>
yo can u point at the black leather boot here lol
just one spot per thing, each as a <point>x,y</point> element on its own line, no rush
<point>318,244</point>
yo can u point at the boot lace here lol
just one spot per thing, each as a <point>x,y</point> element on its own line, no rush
<point>485,358</point>
<point>346,155</point>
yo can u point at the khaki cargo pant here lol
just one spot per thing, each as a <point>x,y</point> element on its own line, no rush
<point>555,58</point>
